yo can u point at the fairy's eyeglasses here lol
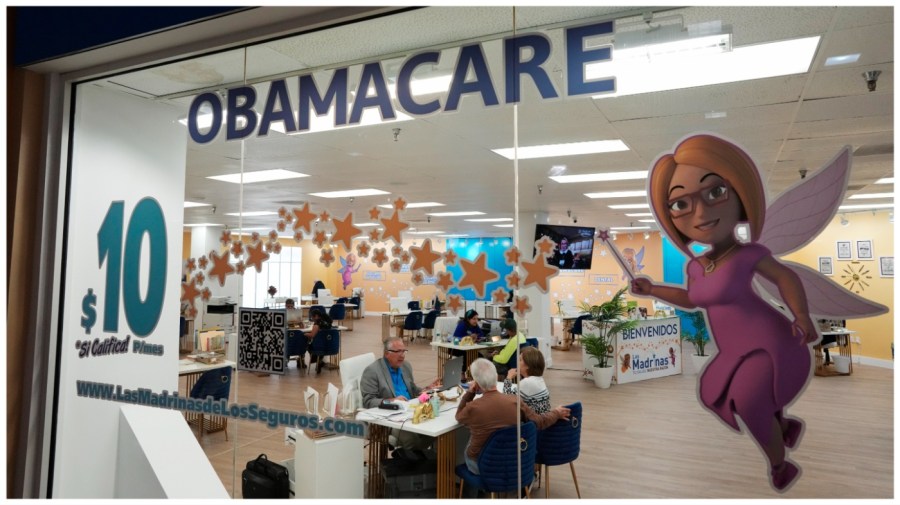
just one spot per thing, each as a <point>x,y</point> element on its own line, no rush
<point>712,195</point>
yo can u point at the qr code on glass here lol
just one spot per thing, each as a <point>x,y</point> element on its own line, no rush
<point>262,340</point>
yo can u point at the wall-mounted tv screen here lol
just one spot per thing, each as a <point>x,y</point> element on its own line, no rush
<point>574,245</point>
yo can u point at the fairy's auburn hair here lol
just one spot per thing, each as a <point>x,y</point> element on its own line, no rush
<point>723,158</point>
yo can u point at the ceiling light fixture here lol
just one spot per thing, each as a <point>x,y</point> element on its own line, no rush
<point>277,174</point>
<point>646,235</point>
<point>568,149</point>
<point>455,214</point>
<point>617,194</point>
<point>645,220</point>
<point>426,232</point>
<point>640,214</point>
<point>414,205</point>
<point>870,196</point>
<point>194,225</point>
<point>885,180</point>
<point>556,170</point>
<point>841,60</point>
<point>503,225</point>
<point>651,42</point>
<point>188,205</point>
<point>365,225</point>
<point>489,220</point>
<point>630,206</point>
<point>867,207</point>
<point>629,228</point>
<point>602,177</point>
<point>350,192</point>
<point>255,213</point>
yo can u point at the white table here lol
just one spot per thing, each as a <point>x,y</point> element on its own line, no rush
<point>842,339</point>
<point>568,320</point>
<point>472,351</point>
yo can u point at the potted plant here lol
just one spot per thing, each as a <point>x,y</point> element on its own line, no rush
<point>609,319</point>
<point>696,334</point>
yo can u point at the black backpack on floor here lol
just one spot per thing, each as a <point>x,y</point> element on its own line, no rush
<point>265,479</point>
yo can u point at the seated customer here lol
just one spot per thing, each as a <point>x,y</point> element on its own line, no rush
<point>320,321</point>
<point>494,410</point>
<point>294,315</point>
<point>531,381</point>
<point>469,326</point>
<point>508,329</point>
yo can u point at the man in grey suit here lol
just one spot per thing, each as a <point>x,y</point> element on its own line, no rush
<point>391,378</point>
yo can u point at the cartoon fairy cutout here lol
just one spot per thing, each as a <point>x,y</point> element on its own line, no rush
<point>672,355</point>
<point>633,261</point>
<point>626,362</point>
<point>347,269</point>
<point>700,194</point>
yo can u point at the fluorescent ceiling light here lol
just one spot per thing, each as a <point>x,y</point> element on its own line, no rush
<point>646,220</point>
<point>569,149</point>
<point>602,177</point>
<point>202,224</point>
<point>715,115</point>
<point>489,219</point>
<point>841,60</point>
<point>188,205</point>
<point>885,180</point>
<point>557,170</point>
<point>255,228</point>
<point>255,213</point>
<point>617,194</point>
<point>454,214</point>
<point>425,232</point>
<point>503,225</point>
<point>707,44</point>
<point>258,176</point>
<point>455,235</point>
<point>628,228</point>
<point>414,205</point>
<point>640,214</point>
<point>350,193</point>
<point>871,195</point>
<point>688,70</point>
<point>867,207</point>
<point>317,124</point>
<point>630,206</point>
<point>365,225</point>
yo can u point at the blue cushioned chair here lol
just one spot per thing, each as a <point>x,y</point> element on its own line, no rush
<point>325,343</point>
<point>498,464</point>
<point>215,383</point>
<point>342,299</point>
<point>428,323</point>
<point>337,312</point>
<point>355,300</point>
<point>577,327</point>
<point>315,307</point>
<point>413,305</point>
<point>413,322</point>
<point>560,444</point>
<point>297,344</point>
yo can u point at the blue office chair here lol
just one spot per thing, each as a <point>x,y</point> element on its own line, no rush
<point>413,322</point>
<point>577,327</point>
<point>342,299</point>
<point>413,305</point>
<point>215,383</point>
<point>297,345</point>
<point>325,343</point>
<point>428,323</point>
<point>315,307</point>
<point>355,300</point>
<point>560,444</point>
<point>337,312</point>
<point>497,464</point>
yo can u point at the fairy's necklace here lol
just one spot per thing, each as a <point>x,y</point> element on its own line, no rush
<point>712,262</point>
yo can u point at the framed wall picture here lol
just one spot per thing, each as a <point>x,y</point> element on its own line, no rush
<point>844,252</point>
<point>864,250</point>
<point>886,264</point>
<point>825,265</point>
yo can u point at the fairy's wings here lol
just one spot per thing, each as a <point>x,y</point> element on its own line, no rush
<point>343,264</point>
<point>638,259</point>
<point>826,298</point>
<point>806,208</point>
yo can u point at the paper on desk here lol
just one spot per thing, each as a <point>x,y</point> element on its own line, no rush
<point>330,403</point>
<point>311,398</point>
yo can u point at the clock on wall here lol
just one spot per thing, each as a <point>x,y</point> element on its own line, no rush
<point>856,276</point>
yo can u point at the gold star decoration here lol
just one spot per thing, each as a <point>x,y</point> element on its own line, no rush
<point>298,236</point>
<point>190,265</point>
<point>203,262</point>
<point>220,267</point>
<point>241,267</point>
<point>256,256</point>
<point>454,303</point>
<point>189,292</point>
<point>363,249</point>
<point>513,280</point>
<point>418,278</point>
<point>396,266</point>
<point>303,218</point>
<point>344,231</point>
<point>225,238</point>
<point>424,257</point>
<point>538,272</point>
<point>237,248</point>
<point>324,216</point>
<point>273,235</point>
<point>521,305</point>
<point>374,213</point>
<point>513,256</point>
<point>445,281</point>
<point>450,257</point>
<point>404,258</point>
<point>375,236</point>
<point>200,278</point>
<point>545,246</point>
<point>281,225</point>
<point>282,212</point>
<point>393,227</point>
<point>327,257</point>
<point>320,239</point>
<point>276,247</point>
<point>205,294</point>
<point>269,247</point>
<point>288,218</point>
<point>397,250</point>
<point>476,274</point>
<point>380,256</point>
<point>254,237</point>
<point>499,295</point>
<point>400,203</point>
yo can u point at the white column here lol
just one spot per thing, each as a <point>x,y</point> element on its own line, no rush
<point>539,316</point>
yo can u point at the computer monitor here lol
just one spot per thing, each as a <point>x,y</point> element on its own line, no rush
<point>323,292</point>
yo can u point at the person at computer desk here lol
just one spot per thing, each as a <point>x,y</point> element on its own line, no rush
<point>468,326</point>
<point>508,329</point>
<point>320,322</point>
<point>317,286</point>
<point>294,315</point>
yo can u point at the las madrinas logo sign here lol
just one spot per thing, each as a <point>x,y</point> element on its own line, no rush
<point>523,56</point>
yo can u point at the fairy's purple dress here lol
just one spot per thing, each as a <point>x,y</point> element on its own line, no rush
<point>761,366</point>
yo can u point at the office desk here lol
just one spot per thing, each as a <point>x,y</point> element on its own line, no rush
<point>842,338</point>
<point>472,351</point>
<point>191,371</point>
<point>568,321</point>
<point>295,331</point>
<point>304,312</point>
<point>443,428</point>
<point>388,319</point>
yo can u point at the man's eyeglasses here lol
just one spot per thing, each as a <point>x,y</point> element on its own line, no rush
<point>712,195</point>
<point>395,351</point>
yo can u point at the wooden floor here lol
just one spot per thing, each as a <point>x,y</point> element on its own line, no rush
<point>648,439</point>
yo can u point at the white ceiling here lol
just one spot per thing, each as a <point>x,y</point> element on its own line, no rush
<point>787,123</point>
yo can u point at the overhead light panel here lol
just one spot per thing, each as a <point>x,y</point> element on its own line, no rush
<point>885,180</point>
<point>871,206</point>
<point>258,176</point>
<point>503,225</point>
<point>841,60</point>
<point>455,235</point>
<point>189,205</point>
<point>365,225</point>
<point>630,206</point>
<point>350,193</point>
<point>489,219</point>
<point>414,205</point>
<point>195,225</point>
<point>673,39</point>
<point>646,220</point>
<point>455,214</point>
<point>568,149</point>
<point>255,213</point>
<point>640,214</point>
<point>629,228</point>
<point>871,196</point>
<point>617,194</point>
<point>602,177</point>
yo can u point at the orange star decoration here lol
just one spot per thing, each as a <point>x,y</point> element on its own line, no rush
<point>240,267</point>
<point>545,246</point>
<point>374,213</point>
<point>375,236</point>
<point>400,203</point>
<point>393,227</point>
<point>288,218</point>
<point>538,272</point>
<point>454,303</point>
<point>237,248</point>
<point>205,294</point>
<point>225,238</point>
<point>521,306</point>
<point>273,236</point>
<point>324,216</point>
<point>200,277</point>
<point>281,225</point>
<point>476,274</point>
<point>303,218</point>
<point>418,278</point>
<point>190,265</point>
<point>277,247</point>
<point>192,312</point>
<point>203,262</point>
<point>445,281</point>
<point>397,250</point>
<point>344,231</point>
<point>189,292</point>
<point>256,256</point>
<point>363,249</point>
<point>424,257</point>
<point>254,236</point>
<point>327,257</point>
<point>380,256</point>
<point>513,280</point>
<point>404,257</point>
<point>282,212</point>
<point>396,266</point>
<point>499,295</point>
<point>513,256</point>
<point>220,267</point>
<point>450,257</point>
<point>269,247</point>
<point>320,239</point>
<point>298,236</point>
